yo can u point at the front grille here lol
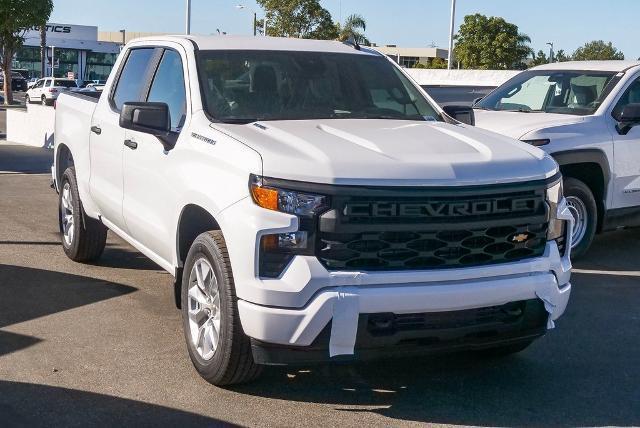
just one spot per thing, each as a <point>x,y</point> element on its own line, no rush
<point>416,232</point>
<point>431,249</point>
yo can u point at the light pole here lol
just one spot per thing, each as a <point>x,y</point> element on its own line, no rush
<point>124,37</point>
<point>453,17</point>
<point>188,18</point>
<point>255,20</point>
<point>551,53</point>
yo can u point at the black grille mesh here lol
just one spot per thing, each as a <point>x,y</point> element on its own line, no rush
<point>412,250</point>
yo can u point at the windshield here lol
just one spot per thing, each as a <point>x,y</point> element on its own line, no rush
<point>245,86</point>
<point>553,91</point>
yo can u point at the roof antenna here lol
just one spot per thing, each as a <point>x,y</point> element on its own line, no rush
<point>351,41</point>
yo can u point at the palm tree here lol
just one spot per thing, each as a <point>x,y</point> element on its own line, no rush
<point>354,28</point>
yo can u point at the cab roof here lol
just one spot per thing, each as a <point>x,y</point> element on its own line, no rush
<point>613,65</point>
<point>263,43</point>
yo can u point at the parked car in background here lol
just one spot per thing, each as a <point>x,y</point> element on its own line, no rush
<point>586,115</point>
<point>18,82</point>
<point>320,208</point>
<point>457,95</point>
<point>32,82</point>
<point>47,90</point>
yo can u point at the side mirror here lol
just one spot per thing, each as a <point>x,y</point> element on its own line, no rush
<point>462,114</point>
<point>477,100</point>
<point>150,118</point>
<point>628,118</point>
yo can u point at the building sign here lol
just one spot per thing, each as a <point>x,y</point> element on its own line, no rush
<point>64,31</point>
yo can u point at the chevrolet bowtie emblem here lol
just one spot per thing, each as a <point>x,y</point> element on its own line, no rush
<point>520,238</point>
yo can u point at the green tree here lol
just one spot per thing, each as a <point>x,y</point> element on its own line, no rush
<point>353,28</point>
<point>490,43</point>
<point>16,17</point>
<point>438,63</point>
<point>597,50</point>
<point>539,59</point>
<point>305,19</point>
<point>560,56</point>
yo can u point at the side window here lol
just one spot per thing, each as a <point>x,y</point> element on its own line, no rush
<point>630,96</point>
<point>168,87</point>
<point>131,83</point>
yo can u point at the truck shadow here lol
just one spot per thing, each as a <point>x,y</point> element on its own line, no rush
<point>584,373</point>
<point>28,293</point>
<point>25,404</point>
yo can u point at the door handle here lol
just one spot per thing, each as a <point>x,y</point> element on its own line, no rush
<point>96,130</point>
<point>131,144</point>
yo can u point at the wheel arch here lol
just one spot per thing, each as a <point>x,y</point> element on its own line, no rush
<point>64,159</point>
<point>591,166</point>
<point>193,220</point>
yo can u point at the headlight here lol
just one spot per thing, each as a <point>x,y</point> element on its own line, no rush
<point>556,226</point>
<point>277,250</point>
<point>287,201</point>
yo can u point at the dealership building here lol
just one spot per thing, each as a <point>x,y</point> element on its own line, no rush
<point>410,57</point>
<point>75,49</point>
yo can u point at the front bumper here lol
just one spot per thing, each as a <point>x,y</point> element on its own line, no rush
<point>295,309</point>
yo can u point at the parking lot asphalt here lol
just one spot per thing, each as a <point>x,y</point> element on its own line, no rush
<point>102,344</point>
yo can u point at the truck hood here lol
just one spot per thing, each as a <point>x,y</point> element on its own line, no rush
<point>389,152</point>
<point>517,124</point>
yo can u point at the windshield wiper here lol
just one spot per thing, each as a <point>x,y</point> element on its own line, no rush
<point>521,110</point>
<point>239,120</point>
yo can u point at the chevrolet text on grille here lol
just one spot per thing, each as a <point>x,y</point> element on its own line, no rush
<point>442,209</point>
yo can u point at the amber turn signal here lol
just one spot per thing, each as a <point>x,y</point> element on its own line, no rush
<point>265,197</point>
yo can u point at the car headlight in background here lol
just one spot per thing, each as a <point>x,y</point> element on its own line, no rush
<point>556,226</point>
<point>277,250</point>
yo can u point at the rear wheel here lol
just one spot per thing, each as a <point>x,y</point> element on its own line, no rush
<point>43,99</point>
<point>83,238</point>
<point>217,345</point>
<point>26,99</point>
<point>584,210</point>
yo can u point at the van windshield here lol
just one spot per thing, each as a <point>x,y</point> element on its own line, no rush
<point>550,91</point>
<point>246,86</point>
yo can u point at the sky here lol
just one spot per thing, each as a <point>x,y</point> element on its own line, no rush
<point>409,23</point>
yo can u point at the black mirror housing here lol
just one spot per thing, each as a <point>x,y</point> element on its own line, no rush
<point>463,114</point>
<point>150,118</point>
<point>628,117</point>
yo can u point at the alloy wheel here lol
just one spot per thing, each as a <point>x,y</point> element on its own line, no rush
<point>204,308</point>
<point>580,214</point>
<point>66,214</point>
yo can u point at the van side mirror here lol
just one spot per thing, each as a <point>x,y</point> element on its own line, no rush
<point>462,114</point>
<point>150,118</point>
<point>627,118</point>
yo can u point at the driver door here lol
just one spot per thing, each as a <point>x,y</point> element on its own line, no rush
<point>626,153</point>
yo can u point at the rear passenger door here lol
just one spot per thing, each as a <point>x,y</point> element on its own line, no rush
<point>149,170</point>
<point>107,137</point>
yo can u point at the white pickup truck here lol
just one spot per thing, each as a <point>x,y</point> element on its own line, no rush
<point>312,203</point>
<point>585,115</point>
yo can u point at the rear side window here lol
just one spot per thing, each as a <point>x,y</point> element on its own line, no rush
<point>132,81</point>
<point>168,87</point>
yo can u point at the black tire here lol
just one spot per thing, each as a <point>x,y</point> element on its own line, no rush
<point>27,100</point>
<point>89,236</point>
<point>574,188</point>
<point>44,101</point>
<point>232,361</point>
<point>504,350</point>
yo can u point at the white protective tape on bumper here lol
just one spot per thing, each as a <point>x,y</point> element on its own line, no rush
<point>344,324</point>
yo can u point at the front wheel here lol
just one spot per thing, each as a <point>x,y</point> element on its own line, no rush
<point>27,100</point>
<point>83,238</point>
<point>584,210</point>
<point>217,345</point>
